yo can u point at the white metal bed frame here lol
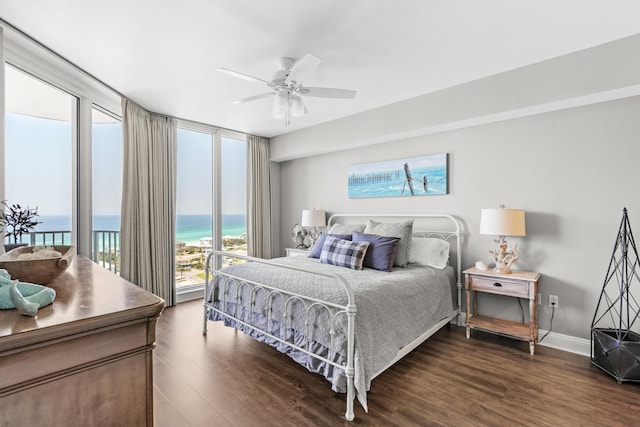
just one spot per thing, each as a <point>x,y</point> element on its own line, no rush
<point>223,281</point>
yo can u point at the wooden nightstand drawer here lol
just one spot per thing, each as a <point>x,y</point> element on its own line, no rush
<point>499,286</point>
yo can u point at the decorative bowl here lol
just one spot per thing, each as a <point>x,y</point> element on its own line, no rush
<point>39,271</point>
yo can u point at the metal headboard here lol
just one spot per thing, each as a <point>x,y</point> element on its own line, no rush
<point>451,230</point>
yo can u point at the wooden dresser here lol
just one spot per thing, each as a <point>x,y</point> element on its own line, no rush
<point>84,360</point>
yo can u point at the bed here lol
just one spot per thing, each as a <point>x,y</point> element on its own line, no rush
<point>347,324</point>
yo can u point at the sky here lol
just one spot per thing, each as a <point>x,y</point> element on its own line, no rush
<point>39,156</point>
<point>38,164</point>
<point>195,174</point>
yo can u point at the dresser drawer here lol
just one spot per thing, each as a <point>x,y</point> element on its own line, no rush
<point>499,286</point>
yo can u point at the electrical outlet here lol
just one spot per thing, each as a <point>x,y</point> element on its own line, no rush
<point>553,301</point>
<point>540,299</point>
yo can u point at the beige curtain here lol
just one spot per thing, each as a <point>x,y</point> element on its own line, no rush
<point>258,197</point>
<point>147,230</point>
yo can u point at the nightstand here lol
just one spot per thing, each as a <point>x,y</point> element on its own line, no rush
<point>519,284</point>
<point>303,252</point>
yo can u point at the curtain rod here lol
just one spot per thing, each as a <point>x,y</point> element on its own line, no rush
<point>87,74</point>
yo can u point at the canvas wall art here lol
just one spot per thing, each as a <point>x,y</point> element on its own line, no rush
<point>415,176</point>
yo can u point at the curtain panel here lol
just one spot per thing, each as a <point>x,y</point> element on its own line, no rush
<point>147,230</point>
<point>258,197</point>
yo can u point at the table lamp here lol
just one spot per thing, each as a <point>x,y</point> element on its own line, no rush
<point>503,222</point>
<point>313,219</point>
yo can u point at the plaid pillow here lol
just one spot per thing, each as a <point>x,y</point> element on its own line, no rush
<point>343,253</point>
<point>316,250</point>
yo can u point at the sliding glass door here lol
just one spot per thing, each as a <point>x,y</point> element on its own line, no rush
<point>194,207</point>
<point>234,196</point>
<point>199,208</point>
<point>40,139</point>
<point>106,189</point>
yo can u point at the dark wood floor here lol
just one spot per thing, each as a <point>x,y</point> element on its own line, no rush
<point>228,379</point>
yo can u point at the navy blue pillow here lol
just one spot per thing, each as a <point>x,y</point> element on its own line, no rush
<point>317,248</point>
<point>382,250</point>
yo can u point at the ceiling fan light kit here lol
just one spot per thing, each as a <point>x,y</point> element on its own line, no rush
<point>287,104</point>
<point>286,87</point>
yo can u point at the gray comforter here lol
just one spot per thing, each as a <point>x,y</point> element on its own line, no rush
<point>393,308</point>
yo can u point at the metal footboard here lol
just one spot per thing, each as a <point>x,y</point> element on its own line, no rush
<point>220,288</point>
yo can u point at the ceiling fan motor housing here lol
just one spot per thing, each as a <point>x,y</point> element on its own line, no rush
<point>285,63</point>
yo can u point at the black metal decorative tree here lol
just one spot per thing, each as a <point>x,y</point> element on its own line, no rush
<point>615,337</point>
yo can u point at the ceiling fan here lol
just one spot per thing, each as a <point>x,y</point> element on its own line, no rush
<point>287,89</point>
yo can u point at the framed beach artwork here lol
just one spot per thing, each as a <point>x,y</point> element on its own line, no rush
<point>414,176</point>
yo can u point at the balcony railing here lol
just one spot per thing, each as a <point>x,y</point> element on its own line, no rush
<point>106,245</point>
<point>106,253</point>
<point>106,249</point>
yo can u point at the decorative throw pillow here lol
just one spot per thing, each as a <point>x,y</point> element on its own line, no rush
<point>381,252</point>
<point>317,247</point>
<point>346,228</point>
<point>429,251</point>
<point>403,230</point>
<point>343,253</point>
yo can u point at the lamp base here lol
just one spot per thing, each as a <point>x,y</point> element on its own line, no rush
<point>504,256</point>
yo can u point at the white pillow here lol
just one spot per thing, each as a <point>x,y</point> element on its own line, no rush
<point>429,251</point>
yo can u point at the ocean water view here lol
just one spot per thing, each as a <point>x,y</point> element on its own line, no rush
<point>189,228</point>
<point>426,180</point>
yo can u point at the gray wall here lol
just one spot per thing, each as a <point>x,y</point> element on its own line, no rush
<point>572,170</point>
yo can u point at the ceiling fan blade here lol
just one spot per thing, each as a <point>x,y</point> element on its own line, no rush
<point>252,98</point>
<point>303,68</point>
<point>243,76</point>
<point>326,92</point>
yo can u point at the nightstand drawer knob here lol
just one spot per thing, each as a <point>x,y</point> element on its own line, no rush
<point>497,285</point>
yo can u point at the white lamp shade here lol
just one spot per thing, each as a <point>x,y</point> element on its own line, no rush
<point>502,222</point>
<point>313,218</point>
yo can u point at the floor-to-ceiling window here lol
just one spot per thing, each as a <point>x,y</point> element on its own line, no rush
<point>106,138</point>
<point>199,208</point>
<point>39,142</point>
<point>234,206</point>
<point>194,206</point>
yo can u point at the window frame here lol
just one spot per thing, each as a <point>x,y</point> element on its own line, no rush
<point>193,292</point>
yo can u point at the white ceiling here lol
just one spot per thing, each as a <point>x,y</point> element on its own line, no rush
<point>163,54</point>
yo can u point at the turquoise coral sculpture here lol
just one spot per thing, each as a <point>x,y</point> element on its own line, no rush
<point>27,298</point>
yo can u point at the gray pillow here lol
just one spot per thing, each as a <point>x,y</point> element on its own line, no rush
<point>346,228</point>
<point>403,230</point>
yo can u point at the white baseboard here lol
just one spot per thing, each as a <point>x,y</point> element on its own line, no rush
<point>568,343</point>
